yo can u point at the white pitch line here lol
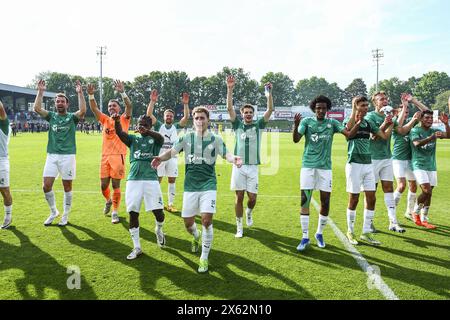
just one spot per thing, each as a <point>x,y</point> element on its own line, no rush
<point>373,272</point>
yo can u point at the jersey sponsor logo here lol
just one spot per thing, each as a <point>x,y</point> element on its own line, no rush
<point>315,137</point>
<point>138,154</point>
<point>192,158</point>
<point>58,128</point>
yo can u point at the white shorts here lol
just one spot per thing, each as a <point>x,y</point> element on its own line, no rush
<point>168,168</point>
<point>60,164</point>
<point>4,173</point>
<point>149,190</point>
<point>198,202</point>
<point>316,179</point>
<point>402,169</point>
<point>423,176</point>
<point>245,178</point>
<point>359,177</point>
<point>382,170</point>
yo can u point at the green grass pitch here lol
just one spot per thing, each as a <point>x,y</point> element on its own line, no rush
<point>34,259</point>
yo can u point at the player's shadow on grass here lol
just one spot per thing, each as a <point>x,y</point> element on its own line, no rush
<point>426,279</point>
<point>41,271</point>
<point>228,285</point>
<point>232,283</point>
<point>328,257</point>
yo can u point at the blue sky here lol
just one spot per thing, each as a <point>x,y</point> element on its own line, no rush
<point>303,38</point>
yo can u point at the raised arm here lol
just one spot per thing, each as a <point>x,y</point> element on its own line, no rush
<point>444,120</point>
<point>123,136</point>
<point>230,88</point>
<point>402,115</point>
<point>268,113</point>
<point>185,100</point>
<point>81,101</point>
<point>151,105</point>
<point>296,136</point>
<point>352,120</point>
<point>119,87</point>
<point>38,101</point>
<point>385,134</point>
<point>354,130</point>
<point>404,130</point>
<point>2,112</point>
<point>92,103</point>
<point>417,103</point>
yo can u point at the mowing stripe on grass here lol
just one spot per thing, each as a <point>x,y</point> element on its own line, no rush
<point>373,272</point>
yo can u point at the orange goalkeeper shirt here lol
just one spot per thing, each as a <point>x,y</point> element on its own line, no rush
<point>111,141</point>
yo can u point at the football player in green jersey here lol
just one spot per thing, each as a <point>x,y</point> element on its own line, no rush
<point>423,144</point>
<point>247,146</point>
<point>316,163</point>
<point>61,148</point>
<point>4,167</point>
<point>401,156</point>
<point>142,181</point>
<point>381,154</point>
<point>201,148</point>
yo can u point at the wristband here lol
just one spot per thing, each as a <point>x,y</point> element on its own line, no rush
<point>124,95</point>
<point>91,97</point>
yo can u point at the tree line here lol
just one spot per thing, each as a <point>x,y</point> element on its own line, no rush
<point>433,89</point>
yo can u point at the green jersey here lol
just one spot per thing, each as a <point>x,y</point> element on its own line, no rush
<point>359,146</point>
<point>318,141</point>
<point>379,148</point>
<point>4,137</point>
<point>142,151</point>
<point>61,133</point>
<point>200,154</point>
<point>424,157</point>
<point>402,148</point>
<point>248,140</point>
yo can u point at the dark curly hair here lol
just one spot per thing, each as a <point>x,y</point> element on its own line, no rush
<point>320,99</point>
<point>146,120</point>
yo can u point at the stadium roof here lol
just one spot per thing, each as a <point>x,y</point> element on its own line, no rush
<point>17,89</point>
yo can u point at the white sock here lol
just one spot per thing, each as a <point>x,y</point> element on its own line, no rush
<point>207,238</point>
<point>193,230</point>
<point>390,206</point>
<point>248,212</point>
<point>159,225</point>
<point>304,221</point>
<point>411,201</point>
<point>239,223</point>
<point>368,218</point>
<point>171,193</point>
<point>8,210</point>
<point>135,237</point>
<point>67,202</point>
<point>351,216</point>
<point>424,214</point>
<point>397,196</point>
<point>321,224</point>
<point>50,197</point>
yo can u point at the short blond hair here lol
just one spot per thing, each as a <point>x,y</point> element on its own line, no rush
<point>200,110</point>
<point>374,96</point>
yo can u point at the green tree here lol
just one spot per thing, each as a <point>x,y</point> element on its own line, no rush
<point>245,91</point>
<point>283,89</point>
<point>355,88</point>
<point>198,91</point>
<point>308,89</point>
<point>431,85</point>
<point>393,87</point>
<point>442,101</point>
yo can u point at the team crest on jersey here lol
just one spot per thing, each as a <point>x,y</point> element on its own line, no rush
<point>210,146</point>
<point>150,141</point>
<point>328,126</point>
